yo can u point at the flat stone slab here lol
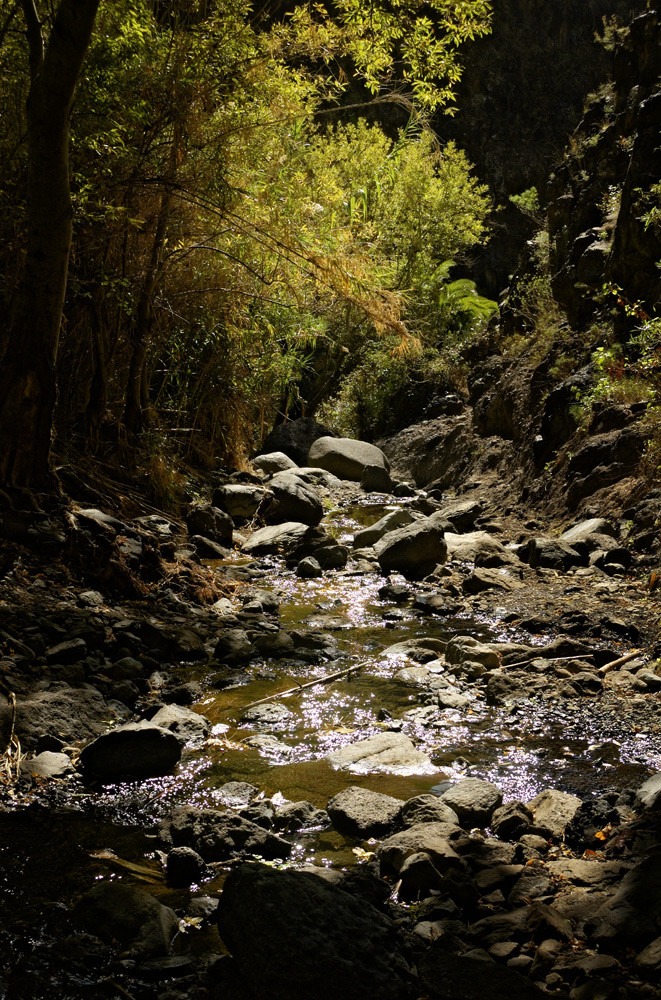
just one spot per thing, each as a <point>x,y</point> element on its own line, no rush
<point>390,753</point>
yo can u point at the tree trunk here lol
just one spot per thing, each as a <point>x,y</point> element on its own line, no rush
<point>28,385</point>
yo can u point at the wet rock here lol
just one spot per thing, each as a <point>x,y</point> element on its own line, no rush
<point>553,811</point>
<point>392,753</point>
<point>345,457</point>
<point>270,714</point>
<point>362,813</point>
<point>275,538</point>
<point>68,713</point>
<point>511,821</point>
<point>308,568</point>
<point>120,913</point>
<point>296,816</point>
<point>291,500</point>
<point>414,550</point>
<point>450,698</point>
<point>473,800</point>
<point>375,479</point>
<point>184,866</point>
<point>427,808</point>
<point>234,647</point>
<point>261,812</point>
<point>219,836</point>
<point>294,937</point>
<point>274,461</point>
<point>436,604</point>
<point>648,795</point>
<point>211,523</point>
<point>183,722</point>
<point>389,522</point>
<point>236,794</point>
<point>237,500</point>
<point>46,765</point>
<point>132,750</point>
<point>422,650</point>
<point>437,840</point>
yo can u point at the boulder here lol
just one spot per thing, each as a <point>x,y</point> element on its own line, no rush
<point>374,532</point>
<point>309,568</point>
<point>183,722</point>
<point>462,514</point>
<point>478,546</point>
<point>582,531</point>
<point>120,913</point>
<point>427,808</point>
<point>473,800</point>
<point>46,765</point>
<point>270,714</point>
<point>375,479</point>
<point>291,500</point>
<point>69,713</point>
<point>211,523</point>
<point>275,538</point>
<point>553,811</point>
<point>295,936</point>
<point>132,750</point>
<point>274,461</point>
<point>219,836</point>
<point>391,753</point>
<point>632,916</point>
<point>345,457</point>
<point>295,437</point>
<point>491,579</point>
<point>550,553</point>
<point>362,813</point>
<point>184,866</point>
<point>511,821</point>
<point>434,839</point>
<point>233,646</point>
<point>648,795</point>
<point>414,550</point>
<point>238,500</point>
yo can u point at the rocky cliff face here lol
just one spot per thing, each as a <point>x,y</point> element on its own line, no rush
<point>523,91</point>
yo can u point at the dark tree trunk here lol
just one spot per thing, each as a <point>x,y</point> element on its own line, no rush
<point>28,385</point>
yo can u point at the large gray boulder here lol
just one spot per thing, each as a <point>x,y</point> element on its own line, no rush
<point>182,721</point>
<point>478,546</point>
<point>238,500</point>
<point>68,713</point>
<point>473,800</point>
<point>134,750</point>
<point>210,522</point>
<point>389,522</point>
<point>360,812</point>
<point>134,919</point>
<point>553,811</point>
<point>392,753</point>
<point>275,538</point>
<point>414,550</point>
<point>345,457</point>
<point>292,500</point>
<point>295,936</point>
<point>274,461</point>
<point>219,836</point>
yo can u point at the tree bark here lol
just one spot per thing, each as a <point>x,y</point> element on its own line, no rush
<point>28,384</point>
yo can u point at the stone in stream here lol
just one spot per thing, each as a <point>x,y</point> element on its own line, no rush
<point>553,811</point>
<point>376,479</point>
<point>290,499</point>
<point>427,808</point>
<point>62,711</point>
<point>360,812</point>
<point>133,750</point>
<point>219,836</point>
<point>394,519</point>
<point>211,523</point>
<point>271,714</point>
<point>346,457</point>
<point>116,912</point>
<point>390,753</point>
<point>414,550</point>
<point>274,538</point>
<point>183,722</point>
<point>237,500</point>
<point>308,568</point>
<point>233,647</point>
<point>296,816</point>
<point>184,866</point>
<point>473,800</point>
<point>438,840</point>
<point>295,936</point>
<point>46,765</point>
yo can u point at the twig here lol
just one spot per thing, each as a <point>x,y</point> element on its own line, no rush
<point>549,659</point>
<point>618,663</point>
<point>300,687</point>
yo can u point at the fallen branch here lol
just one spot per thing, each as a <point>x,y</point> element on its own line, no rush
<point>619,662</point>
<point>549,659</point>
<point>11,759</point>
<point>308,684</point>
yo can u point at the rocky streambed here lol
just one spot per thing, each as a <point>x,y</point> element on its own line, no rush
<point>460,797</point>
